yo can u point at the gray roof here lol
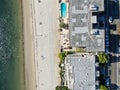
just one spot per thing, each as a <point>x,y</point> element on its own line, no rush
<point>80,24</point>
<point>80,72</point>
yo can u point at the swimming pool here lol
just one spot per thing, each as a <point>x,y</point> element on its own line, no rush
<point>63,9</point>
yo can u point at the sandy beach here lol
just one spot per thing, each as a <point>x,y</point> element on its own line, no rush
<point>46,14</point>
<point>30,81</point>
<point>40,44</point>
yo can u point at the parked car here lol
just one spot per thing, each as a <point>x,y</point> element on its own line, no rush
<point>106,50</point>
<point>118,49</point>
<point>108,81</point>
<point>107,31</point>
<point>107,42</point>
<point>110,19</point>
<point>107,45</point>
<point>106,36</point>
<point>119,43</point>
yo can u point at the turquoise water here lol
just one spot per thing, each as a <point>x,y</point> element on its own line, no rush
<point>63,9</point>
<point>11,46</point>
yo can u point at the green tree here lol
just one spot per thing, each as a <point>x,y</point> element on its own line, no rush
<point>61,88</point>
<point>103,58</point>
<point>62,24</point>
<point>102,87</point>
<point>62,56</point>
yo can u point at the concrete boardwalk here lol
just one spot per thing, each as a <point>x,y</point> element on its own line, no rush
<point>45,20</point>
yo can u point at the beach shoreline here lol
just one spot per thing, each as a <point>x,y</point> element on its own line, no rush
<point>30,82</point>
<point>37,75</point>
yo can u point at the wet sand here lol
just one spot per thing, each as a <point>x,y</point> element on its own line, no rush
<point>30,81</point>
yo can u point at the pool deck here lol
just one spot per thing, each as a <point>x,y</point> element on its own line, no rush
<point>65,32</point>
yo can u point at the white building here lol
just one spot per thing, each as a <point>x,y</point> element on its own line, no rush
<point>81,72</point>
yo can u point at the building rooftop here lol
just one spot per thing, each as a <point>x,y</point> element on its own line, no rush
<point>80,72</point>
<point>81,20</point>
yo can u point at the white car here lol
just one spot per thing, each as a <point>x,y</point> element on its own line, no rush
<point>110,19</point>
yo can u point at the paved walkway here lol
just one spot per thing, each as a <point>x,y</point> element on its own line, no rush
<point>45,38</point>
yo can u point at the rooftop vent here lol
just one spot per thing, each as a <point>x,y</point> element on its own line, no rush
<point>93,7</point>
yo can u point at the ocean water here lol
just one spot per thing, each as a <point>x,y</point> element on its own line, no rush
<point>11,46</point>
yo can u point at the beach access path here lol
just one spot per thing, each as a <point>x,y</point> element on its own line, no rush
<point>45,22</point>
<point>30,80</point>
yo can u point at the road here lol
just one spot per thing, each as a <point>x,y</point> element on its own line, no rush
<point>114,60</point>
<point>45,20</point>
<point>113,11</point>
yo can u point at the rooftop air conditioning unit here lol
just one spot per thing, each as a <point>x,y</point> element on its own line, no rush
<point>93,7</point>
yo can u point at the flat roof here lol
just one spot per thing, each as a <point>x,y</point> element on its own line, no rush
<point>80,72</point>
<point>80,24</point>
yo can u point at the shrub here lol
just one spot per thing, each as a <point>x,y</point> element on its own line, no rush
<point>62,56</point>
<point>62,25</point>
<point>79,49</point>
<point>62,88</point>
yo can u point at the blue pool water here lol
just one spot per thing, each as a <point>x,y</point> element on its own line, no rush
<point>63,9</point>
